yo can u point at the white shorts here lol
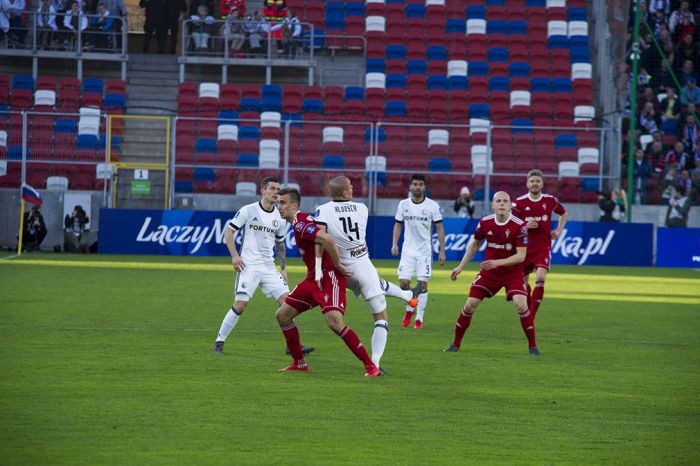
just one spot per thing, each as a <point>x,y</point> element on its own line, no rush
<point>364,280</point>
<point>411,266</point>
<point>270,280</point>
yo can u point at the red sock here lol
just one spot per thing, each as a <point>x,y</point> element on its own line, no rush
<point>461,327</point>
<point>291,334</point>
<point>536,299</point>
<point>355,345</point>
<point>528,325</point>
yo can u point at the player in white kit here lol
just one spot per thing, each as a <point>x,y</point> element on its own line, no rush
<point>263,229</point>
<point>346,222</point>
<point>418,213</point>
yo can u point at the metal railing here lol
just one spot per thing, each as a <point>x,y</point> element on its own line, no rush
<point>28,38</point>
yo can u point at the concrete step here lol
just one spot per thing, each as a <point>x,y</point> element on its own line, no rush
<point>148,81</point>
<point>151,92</point>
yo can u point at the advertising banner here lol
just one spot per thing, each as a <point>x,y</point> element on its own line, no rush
<point>678,247</point>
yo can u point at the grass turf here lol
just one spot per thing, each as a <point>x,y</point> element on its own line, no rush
<point>106,360</point>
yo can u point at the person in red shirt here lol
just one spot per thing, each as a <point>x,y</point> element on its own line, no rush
<point>536,209</point>
<point>506,239</point>
<point>323,286</point>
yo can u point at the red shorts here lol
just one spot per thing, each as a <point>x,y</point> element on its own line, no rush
<point>306,294</point>
<point>536,259</point>
<point>487,286</point>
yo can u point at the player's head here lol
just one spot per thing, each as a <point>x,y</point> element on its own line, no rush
<point>340,188</point>
<point>288,203</point>
<point>534,181</point>
<point>417,185</point>
<point>269,188</point>
<point>501,203</point>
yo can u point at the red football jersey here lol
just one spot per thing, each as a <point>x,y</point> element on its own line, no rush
<point>541,212</point>
<point>305,231</point>
<point>501,242</point>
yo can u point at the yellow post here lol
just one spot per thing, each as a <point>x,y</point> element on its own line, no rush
<point>21,226</point>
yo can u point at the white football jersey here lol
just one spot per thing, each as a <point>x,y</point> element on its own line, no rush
<point>346,222</point>
<point>261,230</point>
<point>418,222</point>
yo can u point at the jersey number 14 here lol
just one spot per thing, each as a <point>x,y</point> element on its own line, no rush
<point>350,227</point>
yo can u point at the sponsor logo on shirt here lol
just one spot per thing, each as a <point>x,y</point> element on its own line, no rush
<point>359,251</point>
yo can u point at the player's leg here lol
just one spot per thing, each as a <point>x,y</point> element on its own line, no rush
<point>273,285</point>
<point>463,321</point>
<point>377,305</point>
<point>394,291</point>
<point>423,272</point>
<point>244,289</point>
<point>526,322</point>
<point>405,272</point>
<point>538,292</point>
<point>334,320</point>
<point>285,317</point>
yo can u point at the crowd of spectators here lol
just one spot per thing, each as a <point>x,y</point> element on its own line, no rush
<point>667,152</point>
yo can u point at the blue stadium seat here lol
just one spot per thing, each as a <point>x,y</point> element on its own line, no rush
<point>564,140</point>
<point>87,141</point>
<point>312,106</point>
<point>354,93</point>
<point>415,10</point>
<point>294,119</point>
<point>479,111</point>
<point>319,38</point>
<point>557,42</point>
<point>495,2</point>
<point>93,85</point>
<point>335,15</point>
<point>22,82</point>
<point>540,85</point>
<point>535,3</point>
<point>576,14</point>
<point>498,54</point>
<point>183,186</point>
<point>580,55</point>
<point>65,126</point>
<point>395,109</point>
<point>396,52</point>
<point>517,27</point>
<point>204,174</point>
<point>456,25</point>
<point>576,42</point>
<point>248,133</point>
<point>228,117</point>
<point>250,104</point>
<point>437,52</point>
<point>416,67</point>
<point>247,160</point>
<point>114,101</point>
<point>499,83</point>
<point>496,26</point>
<point>354,9</point>
<point>561,85</point>
<point>478,68</point>
<point>205,146</point>
<point>116,143</point>
<point>15,153</point>
<point>334,162</point>
<point>458,83</point>
<point>522,126</point>
<point>669,126</point>
<point>476,12</point>
<point>589,185</point>
<point>396,81</point>
<point>436,81</point>
<point>271,104</point>
<point>439,164</point>
<point>519,70</point>
<point>376,65</point>
<point>369,133</point>
<point>381,178</point>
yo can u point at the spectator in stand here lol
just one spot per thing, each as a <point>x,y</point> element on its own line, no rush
<point>660,6</point>
<point>678,208</point>
<point>613,205</point>
<point>686,71</point>
<point>658,22</point>
<point>641,172</point>
<point>11,23</point>
<point>664,36</point>
<point>99,28</point>
<point>155,24</point>
<point>257,28</point>
<point>670,106</point>
<point>644,79</point>
<point>676,156</point>
<point>664,75</point>
<point>686,182</point>
<point>75,22</point>
<point>234,31</point>
<point>649,119</point>
<point>695,180</point>
<point>117,9</point>
<point>679,15</point>
<point>648,96</point>
<point>202,24</point>
<point>690,92</point>
<point>656,156</point>
<point>688,50</point>
<point>194,6</point>
<point>46,23</point>
<point>291,33</point>
<point>227,6</point>
<point>689,135</point>
<point>175,10</point>
<point>670,181</point>
<point>464,204</point>
<point>275,11</point>
<point>686,28</point>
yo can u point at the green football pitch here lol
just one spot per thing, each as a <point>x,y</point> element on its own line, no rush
<point>107,360</point>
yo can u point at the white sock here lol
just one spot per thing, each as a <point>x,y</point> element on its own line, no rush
<point>394,291</point>
<point>422,302</point>
<point>227,325</point>
<point>409,308</point>
<point>381,331</point>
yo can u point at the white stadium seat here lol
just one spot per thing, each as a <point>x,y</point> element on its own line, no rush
<point>57,183</point>
<point>578,28</point>
<point>480,157</point>
<point>457,68</point>
<point>269,153</point>
<point>246,188</point>
<point>227,133</point>
<point>375,80</point>
<point>556,3</point>
<point>557,28</point>
<point>210,90</point>
<point>270,119</point>
<point>584,113</point>
<point>520,98</point>
<point>581,71</point>
<point>375,163</point>
<point>478,125</point>
<point>438,137</point>
<point>44,97</point>
<point>333,134</point>
<point>375,23</point>
<point>568,169</point>
<point>476,26</point>
<point>588,155</point>
<point>3,138</point>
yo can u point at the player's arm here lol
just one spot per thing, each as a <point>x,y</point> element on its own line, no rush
<point>230,240</point>
<point>516,258</point>
<point>560,225</point>
<point>472,248</point>
<point>281,257</point>
<point>324,241</point>
<point>440,228</point>
<point>395,238</point>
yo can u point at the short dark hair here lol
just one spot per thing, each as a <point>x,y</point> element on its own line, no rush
<point>293,194</point>
<point>534,172</point>
<point>417,177</point>
<point>269,179</point>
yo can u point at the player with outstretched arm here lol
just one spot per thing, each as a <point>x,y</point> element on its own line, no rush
<point>506,248</point>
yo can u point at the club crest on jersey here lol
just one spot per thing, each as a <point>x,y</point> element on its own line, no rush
<point>508,246</point>
<point>275,224</point>
<point>507,233</point>
<point>310,229</point>
<point>424,212</point>
<point>298,227</point>
<point>490,233</point>
<point>544,206</point>
<point>325,298</point>
<point>527,208</point>
<point>544,218</point>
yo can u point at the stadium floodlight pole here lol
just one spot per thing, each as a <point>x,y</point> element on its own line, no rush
<point>633,108</point>
<point>23,178</point>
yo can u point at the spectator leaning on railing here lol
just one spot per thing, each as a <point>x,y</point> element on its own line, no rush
<point>46,23</point>
<point>75,22</point>
<point>11,19</point>
<point>100,27</point>
<point>202,24</point>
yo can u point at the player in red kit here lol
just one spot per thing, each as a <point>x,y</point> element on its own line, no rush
<point>323,286</point>
<point>536,209</point>
<point>506,247</point>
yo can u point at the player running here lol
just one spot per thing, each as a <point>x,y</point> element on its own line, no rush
<point>323,286</point>
<point>346,222</point>
<point>536,209</point>
<point>419,213</point>
<point>506,248</point>
<point>263,229</point>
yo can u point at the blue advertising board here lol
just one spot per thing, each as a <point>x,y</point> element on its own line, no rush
<point>678,247</point>
<point>201,233</point>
